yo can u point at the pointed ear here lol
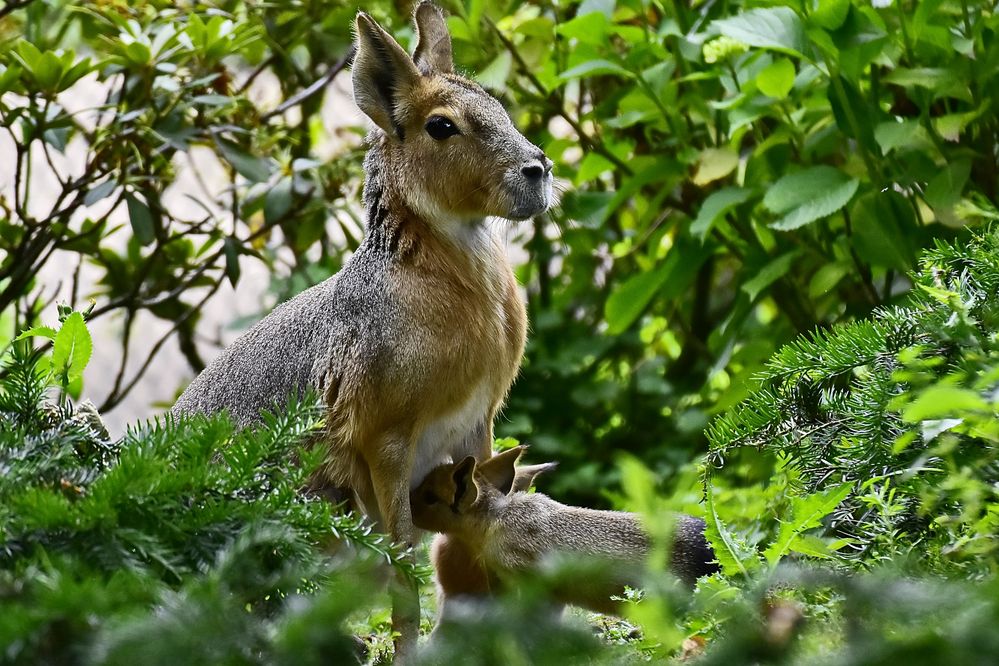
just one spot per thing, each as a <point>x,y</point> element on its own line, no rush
<point>383,74</point>
<point>524,477</point>
<point>500,470</point>
<point>465,489</point>
<point>433,48</point>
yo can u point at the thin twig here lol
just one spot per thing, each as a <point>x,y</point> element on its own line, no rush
<point>318,85</point>
<point>113,400</point>
<point>13,5</point>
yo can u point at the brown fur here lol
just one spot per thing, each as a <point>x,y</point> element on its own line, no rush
<point>415,343</point>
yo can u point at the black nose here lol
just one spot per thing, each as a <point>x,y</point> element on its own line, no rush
<point>533,171</point>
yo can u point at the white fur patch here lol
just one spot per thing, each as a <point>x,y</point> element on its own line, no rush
<point>453,436</point>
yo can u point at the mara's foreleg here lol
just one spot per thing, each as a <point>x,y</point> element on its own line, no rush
<point>391,468</point>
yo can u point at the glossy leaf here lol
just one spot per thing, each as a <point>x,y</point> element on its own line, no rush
<point>809,195</point>
<point>776,28</point>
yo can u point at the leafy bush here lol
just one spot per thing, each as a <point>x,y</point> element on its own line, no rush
<point>107,104</point>
<point>900,412</point>
<point>748,171</point>
<point>184,524</point>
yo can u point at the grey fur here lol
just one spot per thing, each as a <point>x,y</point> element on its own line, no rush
<point>526,528</point>
<point>295,347</point>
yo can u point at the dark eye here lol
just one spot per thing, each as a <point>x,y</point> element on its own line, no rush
<point>429,498</point>
<point>441,128</point>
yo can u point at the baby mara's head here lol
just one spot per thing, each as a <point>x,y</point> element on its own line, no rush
<point>464,497</point>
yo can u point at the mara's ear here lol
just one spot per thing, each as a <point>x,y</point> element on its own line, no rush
<point>465,489</point>
<point>500,470</point>
<point>383,74</point>
<point>525,475</point>
<point>433,46</point>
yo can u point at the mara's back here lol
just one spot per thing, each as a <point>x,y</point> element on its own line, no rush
<point>276,358</point>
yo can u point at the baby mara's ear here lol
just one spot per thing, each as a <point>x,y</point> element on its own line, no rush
<point>523,479</point>
<point>500,471</point>
<point>465,489</point>
<point>448,490</point>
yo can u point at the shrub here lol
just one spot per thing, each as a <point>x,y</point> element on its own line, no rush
<point>182,524</point>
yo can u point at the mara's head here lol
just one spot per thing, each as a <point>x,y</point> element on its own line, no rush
<point>449,148</point>
<point>463,497</point>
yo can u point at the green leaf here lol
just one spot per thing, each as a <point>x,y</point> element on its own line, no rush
<point>944,190</point>
<point>777,28</point>
<point>9,77</point>
<point>806,513</point>
<point>256,169</point>
<point>628,300</point>
<point>826,278</point>
<point>590,209</point>
<point>138,53</point>
<point>495,74</point>
<point>37,332</point>
<point>28,54</point>
<point>830,14</point>
<point>950,125</point>
<point>855,117</point>
<point>884,230</point>
<point>942,82</point>
<point>734,556</point>
<point>587,29</point>
<point>808,195</point>
<point>668,279</point>
<point>594,68</point>
<point>813,546</point>
<point>141,218</point>
<point>72,348</point>
<point>715,163</point>
<point>715,206</point>
<point>277,201</point>
<point>776,79</point>
<point>943,400</point>
<point>908,134</point>
<point>230,248</point>
<point>591,167</point>
<point>48,70</point>
<point>100,192</point>
<point>57,137</point>
<point>769,274</point>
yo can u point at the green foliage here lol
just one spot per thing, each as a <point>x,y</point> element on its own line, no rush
<point>747,172</point>
<point>902,408</point>
<point>185,525</point>
<point>112,110</point>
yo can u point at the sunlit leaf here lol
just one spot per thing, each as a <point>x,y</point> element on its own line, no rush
<point>776,28</point>
<point>715,163</point>
<point>776,79</point>
<point>71,348</point>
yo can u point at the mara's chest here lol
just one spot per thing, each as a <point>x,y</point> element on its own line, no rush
<point>466,326</point>
<point>464,323</point>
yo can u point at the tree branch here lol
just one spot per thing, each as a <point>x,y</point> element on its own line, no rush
<point>316,86</point>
